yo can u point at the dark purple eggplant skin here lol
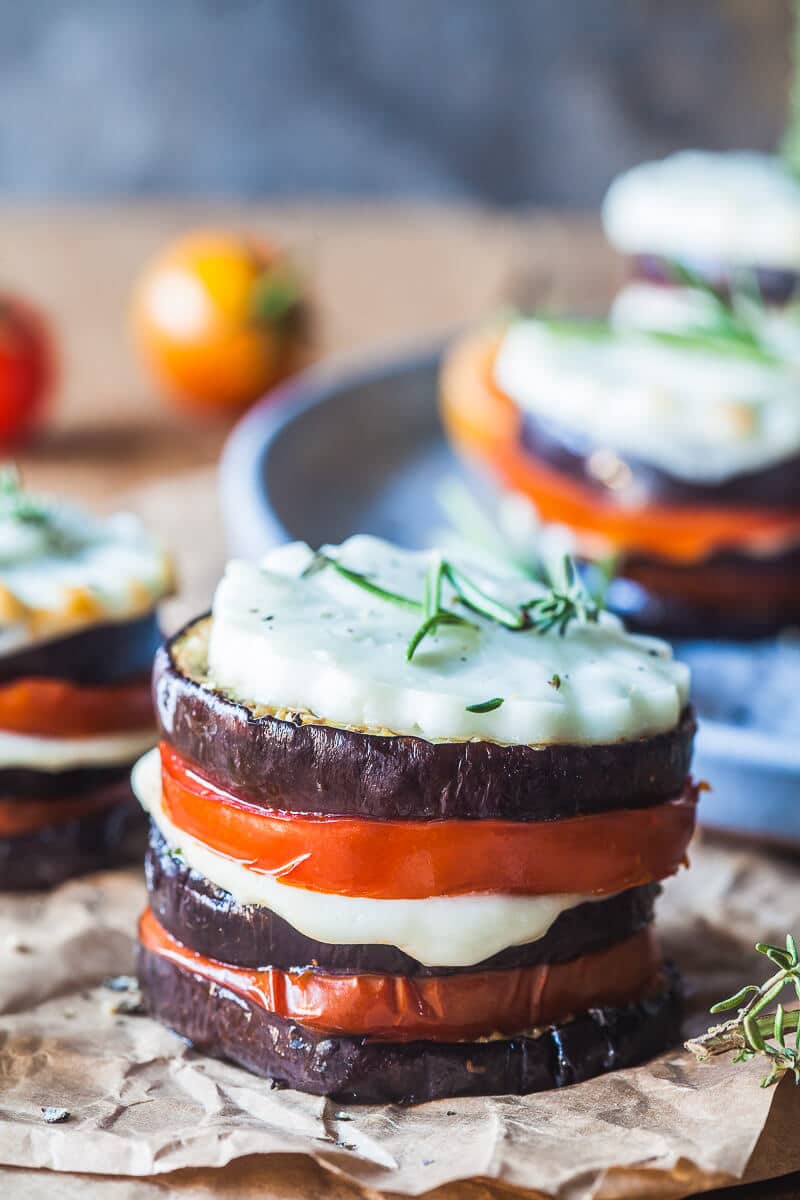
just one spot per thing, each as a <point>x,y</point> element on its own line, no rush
<point>110,838</point>
<point>569,452</point>
<point>775,286</point>
<point>209,920</point>
<point>96,655</point>
<point>26,783</point>
<point>322,769</point>
<point>362,1071</point>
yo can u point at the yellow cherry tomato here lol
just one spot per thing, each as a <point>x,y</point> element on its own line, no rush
<point>219,318</point>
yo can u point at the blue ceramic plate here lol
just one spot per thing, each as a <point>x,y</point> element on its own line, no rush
<point>359,448</point>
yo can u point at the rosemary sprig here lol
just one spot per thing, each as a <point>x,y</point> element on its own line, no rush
<point>17,505</point>
<point>735,317</point>
<point>320,561</point>
<point>433,613</point>
<point>566,601</point>
<point>479,601</point>
<point>750,1033</point>
<point>562,604</point>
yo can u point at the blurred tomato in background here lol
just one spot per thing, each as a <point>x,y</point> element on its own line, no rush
<point>27,369</point>
<point>220,317</point>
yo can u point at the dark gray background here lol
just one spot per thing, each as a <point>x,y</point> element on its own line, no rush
<point>507,101</point>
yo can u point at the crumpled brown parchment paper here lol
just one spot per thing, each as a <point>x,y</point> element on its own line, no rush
<point>143,1104</point>
<point>150,1117</point>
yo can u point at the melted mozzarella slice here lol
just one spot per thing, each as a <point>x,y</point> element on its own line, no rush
<point>732,207</point>
<point>63,754</point>
<point>321,644</point>
<point>694,412</point>
<point>444,931</point>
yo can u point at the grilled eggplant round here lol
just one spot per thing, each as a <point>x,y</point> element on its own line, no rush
<point>308,767</point>
<point>96,655</point>
<point>366,1071</point>
<point>26,783</point>
<point>108,838</point>
<point>570,453</point>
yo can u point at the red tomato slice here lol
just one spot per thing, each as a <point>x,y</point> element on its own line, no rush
<point>58,709</point>
<point>21,816</point>
<point>350,856</point>
<point>440,1007</point>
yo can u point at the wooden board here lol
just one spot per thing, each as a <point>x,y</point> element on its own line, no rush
<point>377,275</point>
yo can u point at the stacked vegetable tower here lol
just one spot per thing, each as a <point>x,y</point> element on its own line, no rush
<point>77,635</point>
<point>408,822</point>
<point>673,453</point>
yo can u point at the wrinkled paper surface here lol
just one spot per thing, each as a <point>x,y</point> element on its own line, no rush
<point>143,1104</point>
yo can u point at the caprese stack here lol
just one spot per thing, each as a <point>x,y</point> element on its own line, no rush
<point>77,634</point>
<point>408,823</point>
<point>676,454</point>
<point>729,220</point>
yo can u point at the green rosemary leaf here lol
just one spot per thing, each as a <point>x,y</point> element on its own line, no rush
<point>485,706</point>
<point>427,626</point>
<point>433,587</point>
<point>749,1034</point>
<point>735,1001</point>
<point>476,599</point>
<point>362,581</point>
<point>555,682</point>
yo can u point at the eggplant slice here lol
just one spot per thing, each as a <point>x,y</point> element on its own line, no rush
<point>111,837</point>
<point>97,655</point>
<point>210,921</point>
<point>26,783</point>
<point>570,453</point>
<point>314,767</point>
<point>364,1071</point>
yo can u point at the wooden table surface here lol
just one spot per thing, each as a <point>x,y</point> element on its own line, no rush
<point>379,275</point>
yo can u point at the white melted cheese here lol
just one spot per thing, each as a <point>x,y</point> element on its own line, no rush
<point>63,754</point>
<point>441,931</point>
<point>323,645</point>
<point>696,413</point>
<point>737,207</point>
<point>52,575</point>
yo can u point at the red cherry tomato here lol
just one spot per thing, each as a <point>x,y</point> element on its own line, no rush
<point>27,369</point>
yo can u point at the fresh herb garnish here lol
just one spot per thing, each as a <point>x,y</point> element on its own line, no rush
<point>19,506</point>
<point>566,601</point>
<point>555,682</point>
<point>485,706</point>
<point>320,561</point>
<point>749,1033</point>
<point>734,320</point>
<point>479,601</point>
